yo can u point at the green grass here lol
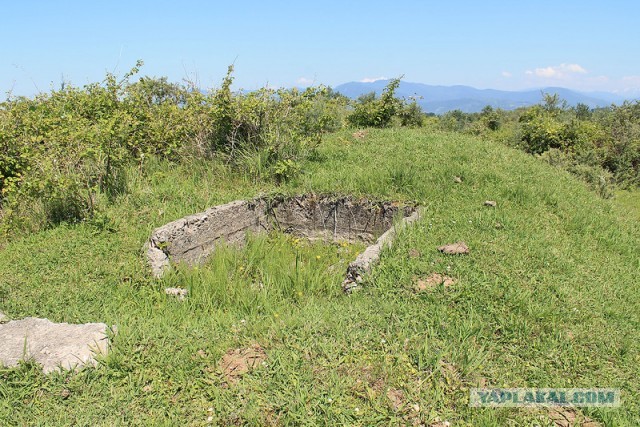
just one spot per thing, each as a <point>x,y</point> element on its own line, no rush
<point>548,297</point>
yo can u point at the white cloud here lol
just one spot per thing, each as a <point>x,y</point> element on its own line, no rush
<point>558,72</point>
<point>506,74</point>
<point>303,81</point>
<point>372,79</point>
<point>576,77</point>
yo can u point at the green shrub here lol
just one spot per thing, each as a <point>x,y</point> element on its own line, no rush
<point>540,131</point>
<point>62,153</point>
<point>370,111</point>
<point>411,115</point>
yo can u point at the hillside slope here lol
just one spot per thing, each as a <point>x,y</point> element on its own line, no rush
<point>547,297</point>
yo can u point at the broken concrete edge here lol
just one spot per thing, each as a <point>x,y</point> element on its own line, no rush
<point>358,269</point>
<point>194,237</point>
<point>195,231</point>
<point>157,259</point>
<point>54,346</point>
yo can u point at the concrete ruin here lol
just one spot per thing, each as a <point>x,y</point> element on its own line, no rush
<point>53,345</point>
<point>193,238</point>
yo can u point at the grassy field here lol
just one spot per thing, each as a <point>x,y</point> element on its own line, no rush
<point>547,297</point>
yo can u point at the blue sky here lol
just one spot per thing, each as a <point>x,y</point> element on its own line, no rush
<point>585,45</point>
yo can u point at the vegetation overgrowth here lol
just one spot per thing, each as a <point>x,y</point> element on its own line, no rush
<point>601,146</point>
<point>62,154</point>
<point>547,297</point>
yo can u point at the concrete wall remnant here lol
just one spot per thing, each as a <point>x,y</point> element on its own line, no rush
<point>193,238</point>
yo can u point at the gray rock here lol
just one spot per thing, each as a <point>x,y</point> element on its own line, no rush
<point>53,345</point>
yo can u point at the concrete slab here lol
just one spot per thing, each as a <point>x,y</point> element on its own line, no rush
<point>53,345</point>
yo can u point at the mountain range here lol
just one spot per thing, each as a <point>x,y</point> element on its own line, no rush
<point>440,99</point>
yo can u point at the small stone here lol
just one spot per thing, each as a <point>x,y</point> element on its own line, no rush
<point>457,179</point>
<point>179,293</point>
<point>457,248</point>
<point>490,203</point>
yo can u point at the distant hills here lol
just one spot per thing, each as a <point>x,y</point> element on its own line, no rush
<point>440,99</point>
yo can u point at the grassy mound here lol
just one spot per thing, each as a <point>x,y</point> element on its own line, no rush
<point>547,297</point>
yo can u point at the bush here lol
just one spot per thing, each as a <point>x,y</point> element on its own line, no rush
<point>62,153</point>
<point>370,111</point>
<point>604,142</point>
<point>411,115</point>
<point>540,131</point>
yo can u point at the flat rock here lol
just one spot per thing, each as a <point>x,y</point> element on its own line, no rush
<point>457,248</point>
<point>53,345</point>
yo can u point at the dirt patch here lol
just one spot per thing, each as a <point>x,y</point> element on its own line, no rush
<point>414,253</point>
<point>396,398</point>
<point>433,281</point>
<point>361,134</point>
<point>450,373</point>
<point>238,362</point>
<point>457,248</point>
<point>568,417</point>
